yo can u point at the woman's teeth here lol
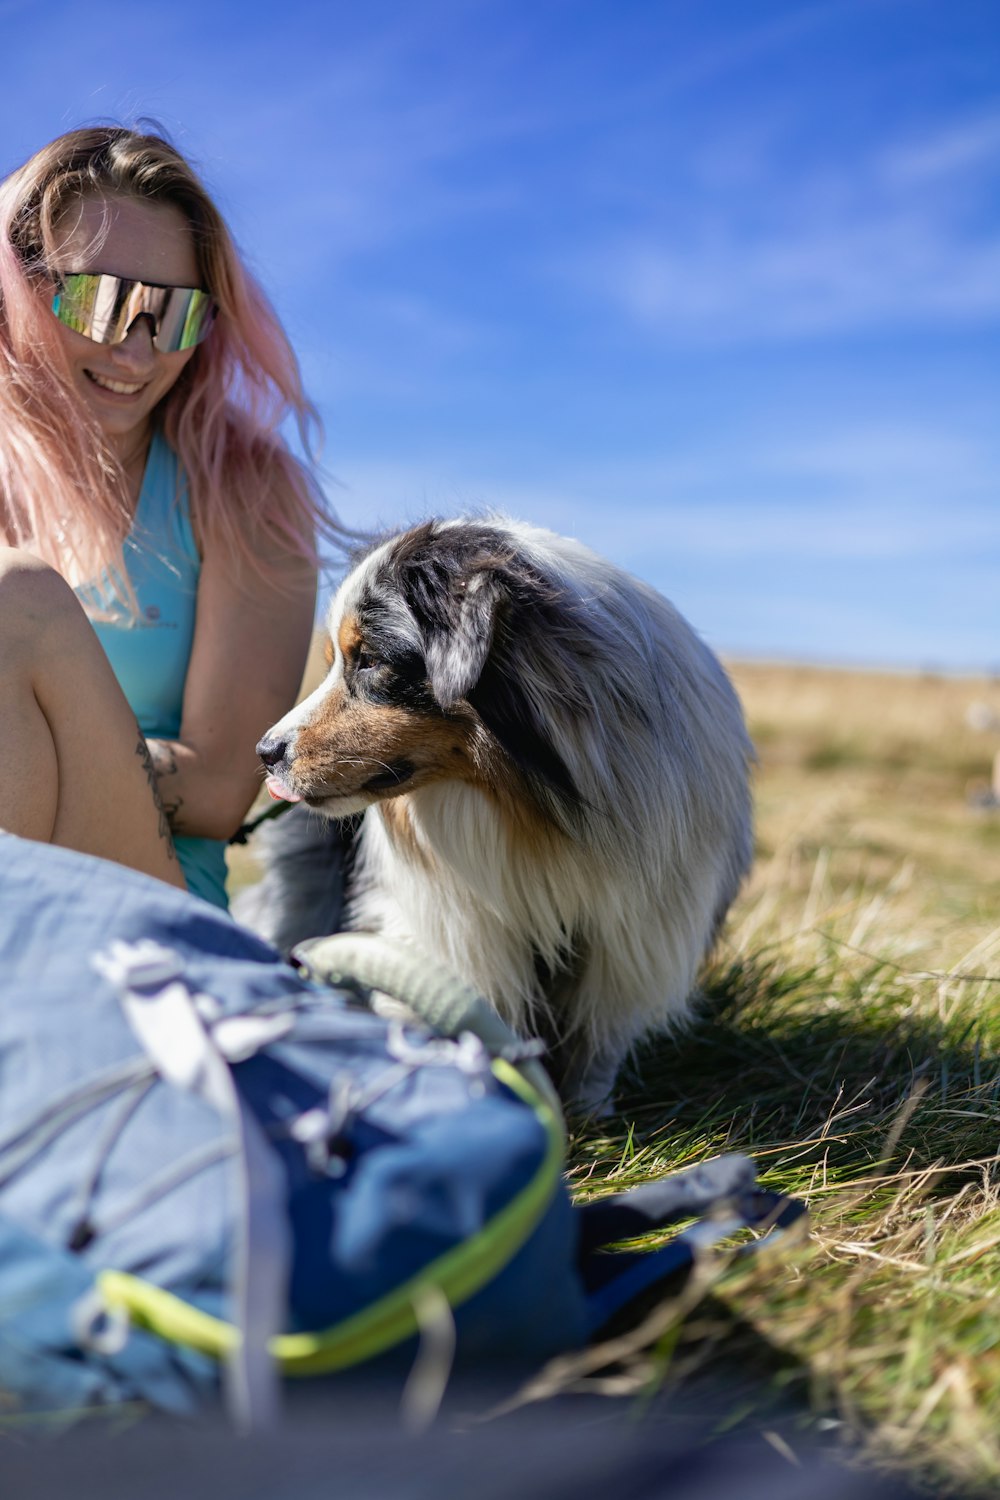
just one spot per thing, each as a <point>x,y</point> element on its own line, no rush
<point>118,386</point>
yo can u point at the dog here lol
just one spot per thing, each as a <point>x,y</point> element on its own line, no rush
<point>553,774</point>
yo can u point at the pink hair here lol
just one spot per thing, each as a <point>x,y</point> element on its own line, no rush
<point>62,491</point>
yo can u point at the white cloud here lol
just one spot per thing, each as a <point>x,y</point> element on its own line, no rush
<point>896,585</point>
<point>891,496</point>
<point>888,270</point>
<point>949,152</point>
<point>763,240</point>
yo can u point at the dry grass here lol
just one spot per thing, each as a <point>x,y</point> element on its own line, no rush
<point>863,790</point>
<point>849,1041</point>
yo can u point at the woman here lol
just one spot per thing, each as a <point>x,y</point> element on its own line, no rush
<point>143,484</point>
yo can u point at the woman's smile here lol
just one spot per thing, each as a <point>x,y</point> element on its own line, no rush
<point>121,384</point>
<point>114,387</point>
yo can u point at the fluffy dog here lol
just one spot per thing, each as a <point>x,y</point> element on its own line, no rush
<point>554,774</point>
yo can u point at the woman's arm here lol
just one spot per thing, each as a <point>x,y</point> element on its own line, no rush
<point>249,651</point>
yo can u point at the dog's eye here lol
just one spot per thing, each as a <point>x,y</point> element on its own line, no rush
<point>366,662</point>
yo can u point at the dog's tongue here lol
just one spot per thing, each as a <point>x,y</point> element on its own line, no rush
<point>279,791</point>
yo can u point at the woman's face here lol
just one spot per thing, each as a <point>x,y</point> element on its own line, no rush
<point>144,241</point>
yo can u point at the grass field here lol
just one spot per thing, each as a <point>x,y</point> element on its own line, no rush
<point>849,1039</point>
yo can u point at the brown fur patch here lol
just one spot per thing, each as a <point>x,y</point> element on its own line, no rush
<point>347,742</point>
<point>399,826</point>
<point>329,654</point>
<point>533,841</point>
<point>533,834</point>
<point>349,636</point>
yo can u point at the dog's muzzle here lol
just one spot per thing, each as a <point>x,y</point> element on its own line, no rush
<point>273,754</point>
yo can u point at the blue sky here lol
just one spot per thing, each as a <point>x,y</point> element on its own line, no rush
<point>712,284</point>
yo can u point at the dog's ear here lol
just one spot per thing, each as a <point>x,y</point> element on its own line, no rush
<point>500,607</point>
<point>506,708</point>
<point>474,606</point>
<point>457,649</point>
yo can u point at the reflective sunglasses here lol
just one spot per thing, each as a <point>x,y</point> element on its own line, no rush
<point>103,308</point>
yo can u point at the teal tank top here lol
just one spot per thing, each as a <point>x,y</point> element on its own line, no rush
<point>149,655</point>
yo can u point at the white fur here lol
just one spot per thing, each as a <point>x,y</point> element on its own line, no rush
<point>635,882</point>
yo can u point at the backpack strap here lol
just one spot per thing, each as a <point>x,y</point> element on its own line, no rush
<point>657,1204</point>
<point>192,1055</point>
<point>722,1197</point>
<point>360,961</point>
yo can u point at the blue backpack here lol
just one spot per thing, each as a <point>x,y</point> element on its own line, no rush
<point>218,1169</point>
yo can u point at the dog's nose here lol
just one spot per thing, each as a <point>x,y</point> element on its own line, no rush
<point>271,751</point>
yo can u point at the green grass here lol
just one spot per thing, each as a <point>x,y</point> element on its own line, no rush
<point>849,1040</point>
<point>871,1092</point>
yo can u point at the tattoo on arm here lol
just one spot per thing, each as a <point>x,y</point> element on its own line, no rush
<point>164,765</point>
<point>143,752</point>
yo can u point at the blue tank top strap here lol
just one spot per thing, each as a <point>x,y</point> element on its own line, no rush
<point>164,508</point>
<point>150,653</point>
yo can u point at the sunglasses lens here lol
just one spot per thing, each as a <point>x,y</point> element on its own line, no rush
<point>103,308</point>
<point>75,304</point>
<point>184,320</point>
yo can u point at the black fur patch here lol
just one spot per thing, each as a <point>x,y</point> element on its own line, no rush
<point>473,597</point>
<point>509,716</point>
<point>386,668</point>
<point>395,775</point>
